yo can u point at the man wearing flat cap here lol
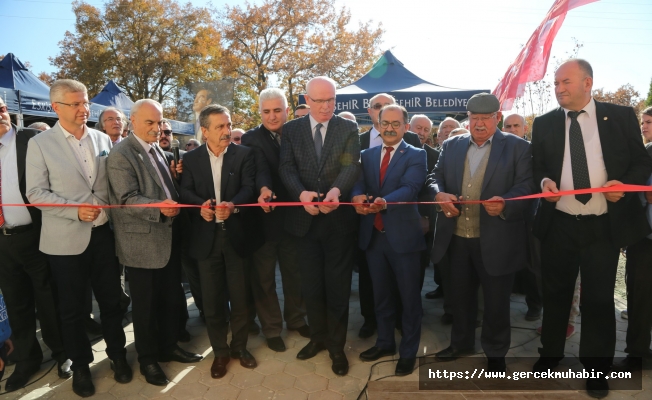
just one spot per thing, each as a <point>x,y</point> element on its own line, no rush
<point>487,240</point>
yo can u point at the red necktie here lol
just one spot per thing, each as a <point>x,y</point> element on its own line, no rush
<point>378,221</point>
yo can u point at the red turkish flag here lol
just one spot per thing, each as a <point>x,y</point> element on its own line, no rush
<point>532,61</point>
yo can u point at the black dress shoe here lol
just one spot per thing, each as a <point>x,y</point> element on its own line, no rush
<point>93,327</point>
<point>153,374</point>
<point>82,382</point>
<point>184,336</point>
<point>276,344</point>
<point>533,314</point>
<point>246,359</point>
<point>254,329</point>
<point>303,331</point>
<point>367,330</point>
<point>310,350</point>
<point>180,355</point>
<point>544,364</point>
<point>450,353</point>
<point>447,319</point>
<point>218,369</point>
<point>597,387</point>
<point>122,370</point>
<point>375,353</point>
<point>63,369</point>
<point>435,294</point>
<point>19,379</point>
<point>340,364</point>
<point>405,366</point>
<point>496,364</point>
<point>628,364</point>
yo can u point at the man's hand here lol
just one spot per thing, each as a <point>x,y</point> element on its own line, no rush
<point>549,186</point>
<point>170,211</point>
<point>613,196</point>
<point>10,347</point>
<point>377,206</point>
<point>265,195</point>
<point>333,196</point>
<point>176,170</point>
<point>207,213</point>
<point>494,209</point>
<point>224,211</point>
<point>308,197</point>
<point>360,206</point>
<point>449,209</point>
<point>87,214</point>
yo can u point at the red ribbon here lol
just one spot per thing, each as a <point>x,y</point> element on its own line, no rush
<point>615,188</point>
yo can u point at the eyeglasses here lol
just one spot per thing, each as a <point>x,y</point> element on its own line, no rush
<point>322,101</point>
<point>166,132</point>
<point>3,109</point>
<point>75,105</point>
<point>394,124</point>
<point>235,139</point>
<point>111,119</point>
<point>477,118</point>
<point>378,106</point>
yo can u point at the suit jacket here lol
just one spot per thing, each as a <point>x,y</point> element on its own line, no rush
<point>403,180</point>
<point>339,166</point>
<point>624,157</point>
<point>54,176</point>
<point>267,153</point>
<point>424,194</point>
<point>237,186</point>
<point>410,138</point>
<point>23,135</point>
<point>143,235</point>
<point>508,174</point>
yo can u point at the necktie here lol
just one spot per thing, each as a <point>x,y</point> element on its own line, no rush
<point>277,136</point>
<point>579,166</point>
<point>318,140</point>
<point>165,174</point>
<point>2,217</point>
<point>378,220</point>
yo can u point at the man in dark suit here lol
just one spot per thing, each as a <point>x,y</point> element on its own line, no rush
<point>138,174</point>
<point>486,241</point>
<point>320,159</point>
<point>223,236</point>
<point>25,277</point>
<point>585,144</point>
<point>371,139</point>
<point>392,236</point>
<point>279,246</point>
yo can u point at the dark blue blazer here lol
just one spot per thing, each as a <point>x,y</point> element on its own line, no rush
<point>508,175</point>
<point>403,180</point>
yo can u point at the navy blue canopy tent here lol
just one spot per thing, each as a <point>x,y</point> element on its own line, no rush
<point>388,75</point>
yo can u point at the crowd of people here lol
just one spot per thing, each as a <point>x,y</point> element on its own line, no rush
<point>101,204</point>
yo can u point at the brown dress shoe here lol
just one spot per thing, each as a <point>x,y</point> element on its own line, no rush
<point>218,369</point>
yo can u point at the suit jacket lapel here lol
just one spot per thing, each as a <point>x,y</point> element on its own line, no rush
<point>21,155</point>
<point>61,140</point>
<point>144,157</point>
<point>603,131</point>
<point>396,158</point>
<point>227,164</point>
<point>497,146</point>
<point>270,147</point>
<point>96,167</point>
<point>206,170</point>
<point>375,166</point>
<point>558,136</point>
<point>328,142</point>
<point>365,140</point>
<point>309,141</point>
<point>459,155</point>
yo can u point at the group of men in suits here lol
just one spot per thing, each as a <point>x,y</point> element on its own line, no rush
<point>318,160</point>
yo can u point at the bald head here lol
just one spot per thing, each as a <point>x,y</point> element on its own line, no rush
<point>515,124</point>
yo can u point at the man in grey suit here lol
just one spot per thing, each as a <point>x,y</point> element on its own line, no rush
<point>67,165</point>
<point>321,155</point>
<point>138,174</point>
<point>487,241</point>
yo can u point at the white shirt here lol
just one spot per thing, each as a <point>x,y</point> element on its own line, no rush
<point>14,216</point>
<point>216,170</point>
<point>375,138</point>
<point>84,152</point>
<point>147,147</point>
<point>597,171</point>
<point>391,155</point>
<point>313,125</point>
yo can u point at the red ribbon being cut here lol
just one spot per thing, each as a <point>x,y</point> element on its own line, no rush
<point>615,188</point>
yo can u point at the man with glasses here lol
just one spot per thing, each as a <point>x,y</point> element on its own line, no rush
<point>111,122</point>
<point>67,165</point>
<point>371,139</point>
<point>391,235</point>
<point>192,144</point>
<point>236,135</point>
<point>487,241</point>
<point>320,161</point>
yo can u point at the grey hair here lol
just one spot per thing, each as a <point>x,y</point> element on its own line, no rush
<point>394,107</point>
<point>347,115</point>
<point>62,86</point>
<point>272,94</point>
<point>450,119</point>
<point>322,79</point>
<point>209,110</point>
<point>41,126</point>
<point>195,142</point>
<point>392,100</point>
<point>458,131</point>
<point>420,116</point>
<point>136,106</point>
<point>100,124</point>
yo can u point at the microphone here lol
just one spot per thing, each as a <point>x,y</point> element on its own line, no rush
<point>174,146</point>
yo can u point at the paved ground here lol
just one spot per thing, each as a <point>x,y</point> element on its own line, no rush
<point>282,376</point>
